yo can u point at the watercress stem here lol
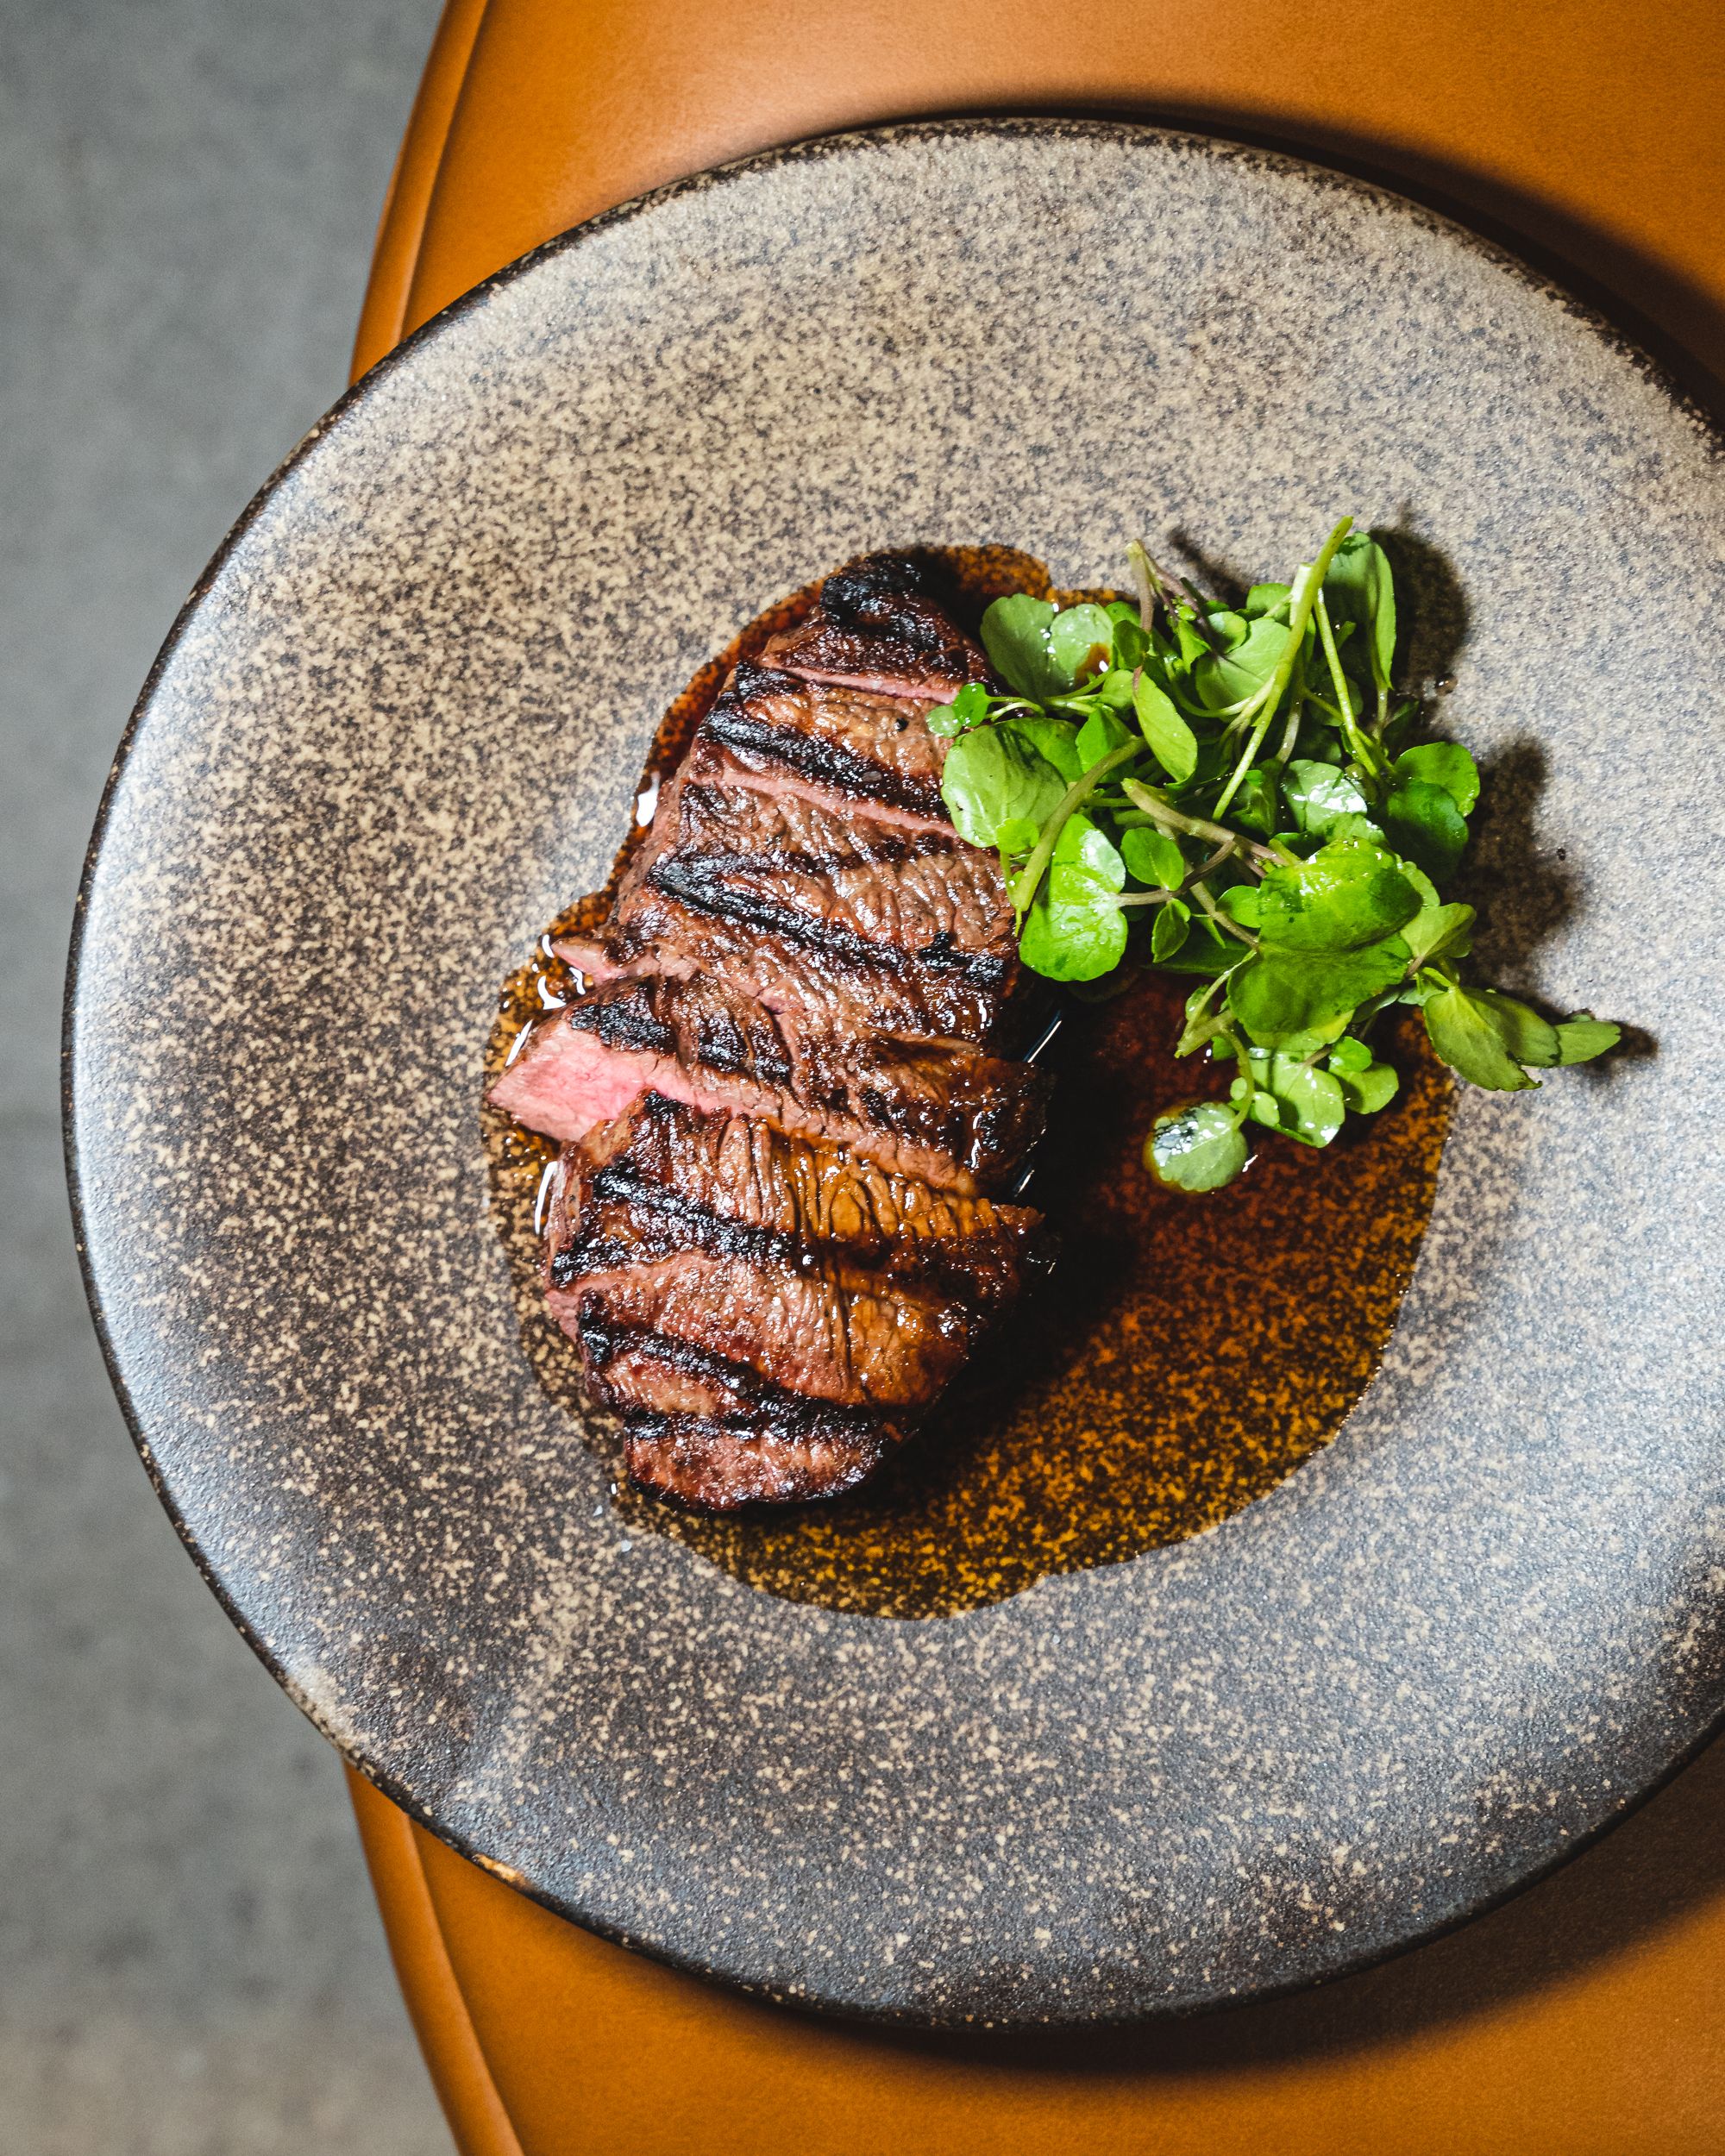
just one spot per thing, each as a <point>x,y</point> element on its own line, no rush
<point>1311,590</point>
<point>1030,878</point>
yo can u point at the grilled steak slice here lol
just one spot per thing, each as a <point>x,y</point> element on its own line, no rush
<point>829,1331</point>
<point>773,730</point>
<point>780,1453</point>
<point>845,924</point>
<point>667,1178</point>
<point>769,1315</point>
<point>881,626</point>
<point>947,1112</point>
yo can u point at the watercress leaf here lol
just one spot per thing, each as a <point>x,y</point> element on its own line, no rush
<point>1422,821</point>
<point>1528,1037</point>
<point>1279,993</point>
<point>1422,882</point>
<point>1199,1148</point>
<point>1191,642</point>
<point>1439,931</point>
<point>1206,950</point>
<point>1132,646</point>
<point>1074,930</point>
<point>1083,845</point>
<point>1154,858</point>
<point>1360,827</point>
<point>1317,793</point>
<point>1347,895</point>
<point>1308,1103</point>
<point>1081,641</point>
<point>1242,902</point>
<point>1349,1054</point>
<point>994,776</point>
<point>1222,679</point>
<point>1227,628</point>
<point>1317,1036</point>
<point>1055,738</point>
<point>1203,1020</point>
<point>1255,804</point>
<point>1267,599</point>
<point>1445,764</point>
<point>1018,835</point>
<point>1583,1037</point>
<point>1359,587</point>
<point>1169,931</point>
<point>1115,689</point>
<point>1465,1032</point>
<point>1098,736</point>
<point>1015,636</point>
<point>968,708</point>
<point>1367,1091</point>
<point>1172,742</point>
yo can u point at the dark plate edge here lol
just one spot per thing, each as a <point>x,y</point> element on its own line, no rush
<point>1263,149</point>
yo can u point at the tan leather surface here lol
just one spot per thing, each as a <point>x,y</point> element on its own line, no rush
<point>1592,129</point>
<point>434,2002</point>
<point>402,225</point>
<point>1586,2018</point>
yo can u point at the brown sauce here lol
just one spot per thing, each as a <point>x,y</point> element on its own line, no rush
<point>1187,1356</point>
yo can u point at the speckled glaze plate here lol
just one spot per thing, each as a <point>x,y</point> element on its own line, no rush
<point>400,725</point>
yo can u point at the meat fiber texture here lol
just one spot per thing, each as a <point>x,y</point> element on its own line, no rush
<point>786,1098</point>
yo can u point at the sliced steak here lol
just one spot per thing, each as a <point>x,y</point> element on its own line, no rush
<point>777,1098</point>
<point>845,926</point>
<point>777,1453</point>
<point>777,731</point>
<point>880,625</point>
<point>951,1114</point>
<point>667,1178</point>
<point>827,1330</point>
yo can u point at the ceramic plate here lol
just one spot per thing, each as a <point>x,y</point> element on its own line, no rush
<point>1037,1775</point>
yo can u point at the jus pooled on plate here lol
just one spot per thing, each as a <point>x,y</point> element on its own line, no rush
<point>793,1096</point>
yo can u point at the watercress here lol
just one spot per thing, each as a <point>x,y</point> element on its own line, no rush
<point>1229,793</point>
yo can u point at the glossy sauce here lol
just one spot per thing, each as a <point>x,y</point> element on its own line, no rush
<point>1188,1354</point>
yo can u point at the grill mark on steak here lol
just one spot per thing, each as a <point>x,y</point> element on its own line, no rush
<point>829,917</point>
<point>832,1331</point>
<point>718,1464</point>
<point>843,742</point>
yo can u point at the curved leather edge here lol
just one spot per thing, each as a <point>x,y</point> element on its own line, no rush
<point>436,2005</point>
<point>383,317</point>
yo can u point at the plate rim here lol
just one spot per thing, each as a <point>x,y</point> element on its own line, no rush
<point>1657,370</point>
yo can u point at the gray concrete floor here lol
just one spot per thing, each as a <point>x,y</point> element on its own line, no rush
<point>190,1964</point>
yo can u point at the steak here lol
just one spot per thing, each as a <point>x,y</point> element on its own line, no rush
<point>782,1095</point>
<point>956,1116</point>
<point>844,923</point>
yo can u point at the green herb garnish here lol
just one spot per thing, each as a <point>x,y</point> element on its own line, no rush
<point>1229,793</point>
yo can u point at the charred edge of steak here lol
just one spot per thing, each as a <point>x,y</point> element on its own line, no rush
<point>603,1340</point>
<point>725,1464</point>
<point>811,757</point>
<point>902,598</point>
